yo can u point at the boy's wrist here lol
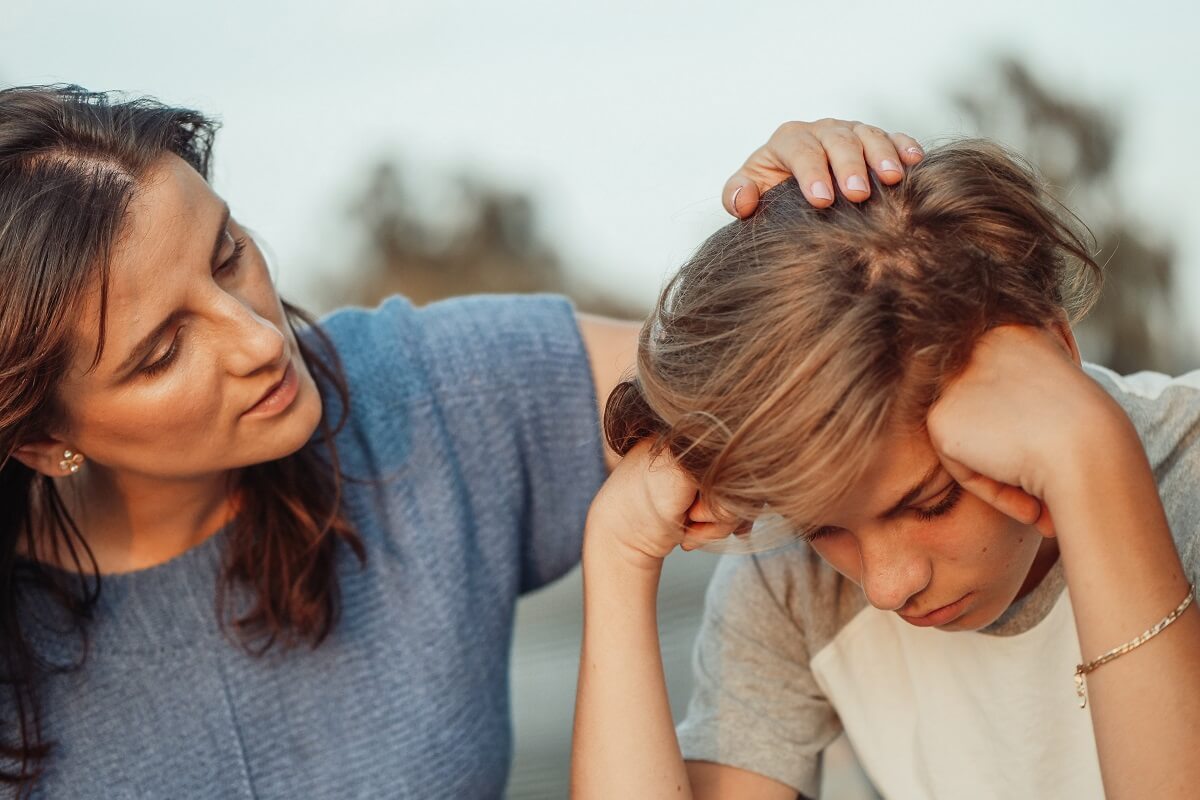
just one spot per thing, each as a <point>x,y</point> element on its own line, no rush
<point>604,551</point>
<point>1102,454</point>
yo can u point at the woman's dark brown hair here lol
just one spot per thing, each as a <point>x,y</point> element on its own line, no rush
<point>788,344</point>
<point>70,162</point>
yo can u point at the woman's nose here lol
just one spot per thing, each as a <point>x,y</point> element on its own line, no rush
<point>256,342</point>
<point>892,572</point>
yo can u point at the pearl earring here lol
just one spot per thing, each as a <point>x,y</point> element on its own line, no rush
<point>71,461</point>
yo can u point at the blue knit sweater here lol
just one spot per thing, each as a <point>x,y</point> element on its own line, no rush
<point>478,419</point>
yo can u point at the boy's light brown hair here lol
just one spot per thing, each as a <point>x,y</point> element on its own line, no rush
<point>788,344</point>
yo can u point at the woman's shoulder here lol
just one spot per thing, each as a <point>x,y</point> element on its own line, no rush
<point>451,344</point>
<point>374,343</point>
<point>470,414</point>
<point>470,366</point>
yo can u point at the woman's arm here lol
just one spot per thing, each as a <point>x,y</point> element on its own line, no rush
<point>1054,435</point>
<point>804,150</point>
<point>624,742</point>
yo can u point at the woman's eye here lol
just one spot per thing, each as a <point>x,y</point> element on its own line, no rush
<point>943,506</point>
<point>160,366</point>
<point>230,265</point>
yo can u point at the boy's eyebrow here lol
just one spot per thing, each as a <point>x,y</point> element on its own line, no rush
<point>913,493</point>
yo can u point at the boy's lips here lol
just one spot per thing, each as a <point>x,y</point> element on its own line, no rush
<point>938,616</point>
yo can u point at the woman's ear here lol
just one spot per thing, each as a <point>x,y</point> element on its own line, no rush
<point>50,457</point>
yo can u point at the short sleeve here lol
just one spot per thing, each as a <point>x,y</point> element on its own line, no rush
<point>511,372</point>
<point>756,705</point>
<point>1165,411</point>
<point>1175,457</point>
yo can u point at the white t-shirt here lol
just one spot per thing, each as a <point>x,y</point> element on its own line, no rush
<point>790,654</point>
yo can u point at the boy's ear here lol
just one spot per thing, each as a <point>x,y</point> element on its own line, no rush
<point>1061,328</point>
<point>50,457</point>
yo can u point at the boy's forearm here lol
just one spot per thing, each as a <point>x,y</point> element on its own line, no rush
<point>624,740</point>
<point>1124,575</point>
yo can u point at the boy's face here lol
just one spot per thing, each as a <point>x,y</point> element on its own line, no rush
<point>919,545</point>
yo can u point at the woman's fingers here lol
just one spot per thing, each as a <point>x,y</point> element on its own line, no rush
<point>740,195</point>
<point>908,148</point>
<point>880,153</point>
<point>823,156</point>
<point>793,151</point>
<point>802,154</point>
<point>846,156</point>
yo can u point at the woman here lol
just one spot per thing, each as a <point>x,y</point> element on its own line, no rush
<point>898,383</point>
<point>247,556</point>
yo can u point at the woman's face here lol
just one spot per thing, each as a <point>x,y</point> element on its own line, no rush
<point>195,340</point>
<point>919,545</point>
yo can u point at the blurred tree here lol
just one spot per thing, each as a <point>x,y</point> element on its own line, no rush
<point>1136,325</point>
<point>492,244</point>
<point>489,244</point>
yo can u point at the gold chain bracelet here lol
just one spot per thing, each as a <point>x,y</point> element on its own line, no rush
<point>1084,669</point>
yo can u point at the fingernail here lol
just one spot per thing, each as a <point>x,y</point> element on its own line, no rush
<point>915,151</point>
<point>856,183</point>
<point>821,190</point>
<point>733,200</point>
<point>889,166</point>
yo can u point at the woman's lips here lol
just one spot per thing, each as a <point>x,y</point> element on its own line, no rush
<point>939,616</point>
<point>279,397</point>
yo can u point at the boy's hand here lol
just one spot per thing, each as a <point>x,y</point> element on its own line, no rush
<point>1018,418</point>
<point>647,507</point>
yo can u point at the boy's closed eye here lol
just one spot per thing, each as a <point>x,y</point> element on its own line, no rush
<point>940,504</point>
<point>946,500</point>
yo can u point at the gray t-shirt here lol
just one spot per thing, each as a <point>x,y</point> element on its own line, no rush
<point>790,654</point>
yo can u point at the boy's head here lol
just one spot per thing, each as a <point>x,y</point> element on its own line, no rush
<point>792,361</point>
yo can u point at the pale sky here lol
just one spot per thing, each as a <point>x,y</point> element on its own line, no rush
<point>623,118</point>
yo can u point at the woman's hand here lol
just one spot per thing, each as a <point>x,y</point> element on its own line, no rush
<point>807,150</point>
<point>648,506</point>
<point>1021,415</point>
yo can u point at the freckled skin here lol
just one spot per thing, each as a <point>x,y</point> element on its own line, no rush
<point>915,566</point>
